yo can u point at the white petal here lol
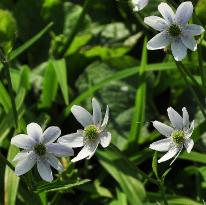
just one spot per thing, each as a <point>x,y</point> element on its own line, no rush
<point>22,155</point>
<point>179,50</point>
<point>161,145</point>
<point>44,170</point>
<point>159,41</point>
<point>25,164</point>
<point>87,151</point>
<point>189,42</point>
<point>54,162</point>
<point>97,113</point>
<point>175,118</point>
<point>51,134</point>
<point>189,143</point>
<point>82,115</point>
<point>171,153</point>
<point>163,129</point>
<point>60,150</point>
<point>139,4</point>
<point>190,130</point>
<point>184,12</point>
<point>72,140</point>
<point>106,118</point>
<point>167,12</point>
<point>193,29</point>
<point>23,141</point>
<point>34,131</point>
<point>186,121</point>
<point>156,23</point>
<point>105,139</point>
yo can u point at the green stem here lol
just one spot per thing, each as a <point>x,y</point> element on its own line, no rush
<point>183,74</point>
<point>74,31</point>
<point>162,190</point>
<point>5,62</point>
<point>5,161</point>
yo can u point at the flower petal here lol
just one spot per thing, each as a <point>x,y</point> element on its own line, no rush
<point>44,170</point>
<point>186,122</point>
<point>97,113</point>
<point>179,50</point>
<point>175,118</point>
<point>184,12</point>
<point>23,141</point>
<point>25,164</point>
<point>105,139</point>
<point>167,12</point>
<point>106,119</point>
<point>189,42</point>
<point>190,130</point>
<point>72,140</point>
<point>87,151</point>
<point>34,131</point>
<point>159,41</point>
<point>82,115</point>
<point>51,134</point>
<point>189,143</point>
<point>161,145</point>
<point>163,129</point>
<point>139,4</point>
<point>156,23</point>
<point>54,162</point>
<point>60,150</point>
<point>193,29</point>
<point>22,155</point>
<point>171,153</point>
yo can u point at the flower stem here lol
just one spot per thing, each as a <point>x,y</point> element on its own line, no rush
<point>5,161</point>
<point>162,190</point>
<point>183,74</point>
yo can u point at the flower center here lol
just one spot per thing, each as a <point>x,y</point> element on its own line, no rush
<point>40,149</point>
<point>91,132</point>
<point>174,30</point>
<point>178,136</point>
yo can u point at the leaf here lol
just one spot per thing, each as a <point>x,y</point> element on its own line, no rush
<point>29,43</point>
<point>4,98</point>
<point>61,74</point>
<point>154,165</point>
<point>123,173</point>
<point>60,186</point>
<point>49,86</point>
<point>139,107</point>
<point>24,78</point>
<point>193,156</point>
<point>11,181</point>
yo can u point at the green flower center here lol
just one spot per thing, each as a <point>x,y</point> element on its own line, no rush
<point>178,136</point>
<point>40,149</point>
<point>174,30</point>
<point>91,132</point>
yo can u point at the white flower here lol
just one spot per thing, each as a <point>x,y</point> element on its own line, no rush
<point>139,4</point>
<point>177,136</point>
<point>93,133</point>
<point>39,147</point>
<point>174,29</point>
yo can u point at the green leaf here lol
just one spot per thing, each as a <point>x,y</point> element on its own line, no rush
<point>122,171</point>
<point>29,43</point>
<point>49,86</point>
<point>139,107</point>
<point>183,201</point>
<point>193,156</point>
<point>60,186</point>
<point>11,181</point>
<point>61,74</point>
<point>4,98</point>
<point>154,165</point>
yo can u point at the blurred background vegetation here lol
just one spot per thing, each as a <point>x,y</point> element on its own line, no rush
<point>96,48</point>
